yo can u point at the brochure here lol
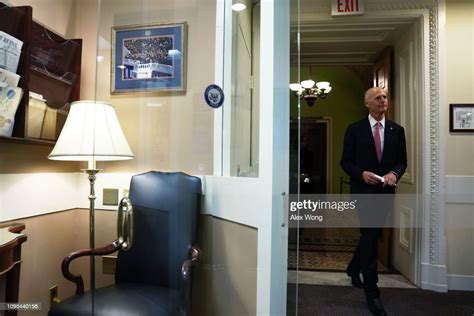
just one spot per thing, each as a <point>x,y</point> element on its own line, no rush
<point>10,98</point>
<point>10,51</point>
<point>9,78</point>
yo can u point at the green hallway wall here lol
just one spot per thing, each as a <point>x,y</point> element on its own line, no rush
<point>344,105</point>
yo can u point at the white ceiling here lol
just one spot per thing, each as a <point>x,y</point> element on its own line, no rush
<point>344,41</point>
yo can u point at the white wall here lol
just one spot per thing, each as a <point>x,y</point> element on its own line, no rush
<point>459,154</point>
<point>58,16</point>
<point>25,195</point>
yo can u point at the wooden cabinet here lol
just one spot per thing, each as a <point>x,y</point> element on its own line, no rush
<point>49,65</point>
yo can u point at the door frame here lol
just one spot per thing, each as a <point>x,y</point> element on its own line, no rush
<point>327,121</point>
<point>431,245</point>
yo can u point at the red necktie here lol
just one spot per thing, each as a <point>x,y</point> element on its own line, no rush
<point>378,141</point>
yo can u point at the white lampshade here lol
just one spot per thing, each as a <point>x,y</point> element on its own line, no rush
<point>295,87</point>
<point>307,84</point>
<point>323,85</point>
<point>91,132</point>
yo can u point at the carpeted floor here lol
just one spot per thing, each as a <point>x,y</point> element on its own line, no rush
<point>323,258</point>
<point>328,249</point>
<point>337,236</point>
<point>344,300</point>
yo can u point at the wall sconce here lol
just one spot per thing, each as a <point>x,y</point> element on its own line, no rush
<point>307,91</point>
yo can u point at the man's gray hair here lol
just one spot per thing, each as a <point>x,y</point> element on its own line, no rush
<point>366,95</point>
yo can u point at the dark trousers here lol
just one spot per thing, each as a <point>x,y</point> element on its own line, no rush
<point>373,211</point>
<point>365,260</point>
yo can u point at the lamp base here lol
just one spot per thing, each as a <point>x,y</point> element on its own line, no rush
<point>92,177</point>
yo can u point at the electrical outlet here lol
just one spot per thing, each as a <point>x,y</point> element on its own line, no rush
<point>108,264</point>
<point>53,295</point>
<point>110,197</point>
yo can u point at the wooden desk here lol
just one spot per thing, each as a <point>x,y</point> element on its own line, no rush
<point>10,261</point>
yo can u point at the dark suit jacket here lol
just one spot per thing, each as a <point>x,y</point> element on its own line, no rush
<point>359,155</point>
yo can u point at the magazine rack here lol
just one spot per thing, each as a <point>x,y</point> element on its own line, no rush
<point>49,65</point>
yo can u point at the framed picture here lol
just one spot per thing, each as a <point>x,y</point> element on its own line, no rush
<point>149,58</point>
<point>461,118</point>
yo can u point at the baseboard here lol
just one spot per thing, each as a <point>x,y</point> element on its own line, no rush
<point>433,277</point>
<point>461,282</point>
<point>434,287</point>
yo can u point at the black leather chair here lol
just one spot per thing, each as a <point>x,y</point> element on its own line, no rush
<point>153,277</point>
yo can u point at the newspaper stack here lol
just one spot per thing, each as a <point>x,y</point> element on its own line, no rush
<point>10,52</point>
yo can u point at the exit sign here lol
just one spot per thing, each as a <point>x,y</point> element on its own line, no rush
<point>347,7</point>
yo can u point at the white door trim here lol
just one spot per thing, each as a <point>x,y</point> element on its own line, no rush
<point>257,202</point>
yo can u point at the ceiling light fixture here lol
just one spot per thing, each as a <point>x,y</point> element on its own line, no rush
<point>310,91</point>
<point>238,5</point>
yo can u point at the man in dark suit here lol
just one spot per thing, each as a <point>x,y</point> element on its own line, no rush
<point>375,158</point>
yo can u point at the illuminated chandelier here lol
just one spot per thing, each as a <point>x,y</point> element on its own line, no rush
<point>310,91</point>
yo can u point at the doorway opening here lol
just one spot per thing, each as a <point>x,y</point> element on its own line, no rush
<point>353,57</point>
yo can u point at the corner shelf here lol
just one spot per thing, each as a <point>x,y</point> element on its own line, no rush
<point>27,141</point>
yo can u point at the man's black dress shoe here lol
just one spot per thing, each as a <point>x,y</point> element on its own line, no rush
<point>355,280</point>
<point>376,306</point>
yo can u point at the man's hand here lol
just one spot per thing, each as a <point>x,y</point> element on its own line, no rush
<point>390,179</point>
<point>370,178</point>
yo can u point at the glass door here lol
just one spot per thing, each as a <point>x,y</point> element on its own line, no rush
<point>294,126</point>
